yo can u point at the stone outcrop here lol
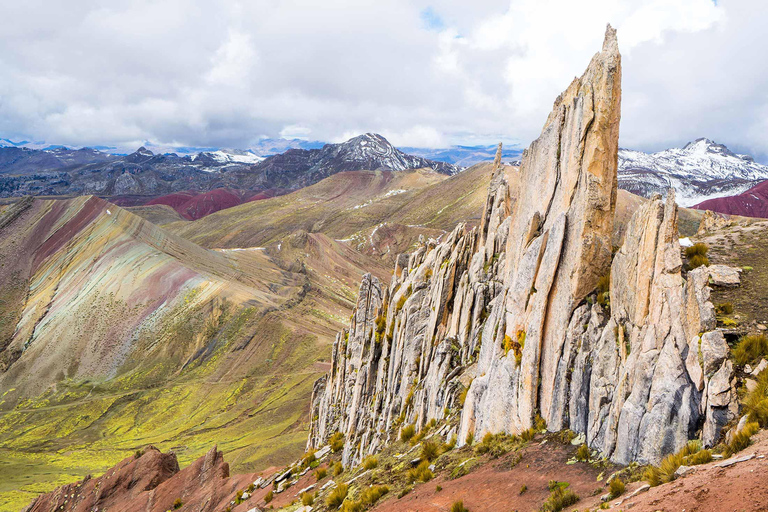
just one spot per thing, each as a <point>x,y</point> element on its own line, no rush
<point>511,310</point>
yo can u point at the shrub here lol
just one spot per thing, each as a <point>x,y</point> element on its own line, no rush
<point>407,433</point>
<point>429,450</point>
<point>523,489</point>
<point>755,402</point>
<point>336,496</point>
<point>422,473</point>
<point>269,496</point>
<point>539,424</point>
<point>698,249</point>
<point>559,498</point>
<point>178,503</point>
<point>338,469</point>
<point>470,438</point>
<point>750,349</point>
<point>337,442</point>
<point>404,492</point>
<point>582,453</point>
<point>372,494</point>
<point>308,458</point>
<point>307,499</point>
<point>458,506</point>
<point>528,435</point>
<point>370,462</point>
<point>438,488</point>
<point>616,487</point>
<point>701,457</point>
<point>741,439</point>
<point>352,506</point>
<point>450,445</point>
<point>251,488</point>
<point>321,473</point>
<point>665,473</point>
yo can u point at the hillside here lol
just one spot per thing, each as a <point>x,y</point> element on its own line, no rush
<point>116,334</point>
<point>750,203</point>
<point>377,212</point>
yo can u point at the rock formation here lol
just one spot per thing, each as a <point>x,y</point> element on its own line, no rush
<point>511,310</point>
<point>149,481</point>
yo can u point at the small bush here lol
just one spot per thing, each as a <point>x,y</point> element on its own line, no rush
<point>523,489</point>
<point>338,469</point>
<point>422,473</point>
<point>308,458</point>
<point>352,506</point>
<point>321,473</point>
<point>372,494</point>
<point>458,506</point>
<point>698,249</point>
<point>337,442</point>
<point>438,488</point>
<point>698,261</point>
<point>701,457</point>
<point>404,492</point>
<point>269,496</point>
<point>407,433</point>
<point>429,450</point>
<point>665,473</point>
<point>582,453</point>
<point>750,349</point>
<point>741,439</point>
<point>177,504</point>
<point>370,462</point>
<point>559,498</point>
<point>616,487</point>
<point>337,495</point>
<point>450,445</point>
<point>307,499</point>
<point>251,488</point>
<point>470,438</point>
<point>755,402</point>
<point>528,435</point>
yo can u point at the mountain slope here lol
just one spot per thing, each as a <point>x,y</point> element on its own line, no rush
<point>115,334</point>
<point>702,169</point>
<point>751,203</point>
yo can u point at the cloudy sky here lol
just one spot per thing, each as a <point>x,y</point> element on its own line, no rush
<point>423,73</point>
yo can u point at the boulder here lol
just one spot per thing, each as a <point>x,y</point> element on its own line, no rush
<point>723,275</point>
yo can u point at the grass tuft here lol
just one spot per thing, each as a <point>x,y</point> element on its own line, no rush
<point>337,495</point>
<point>370,462</point>
<point>750,349</point>
<point>407,433</point>
<point>458,506</point>
<point>616,487</point>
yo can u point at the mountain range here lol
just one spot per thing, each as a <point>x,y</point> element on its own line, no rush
<point>700,170</point>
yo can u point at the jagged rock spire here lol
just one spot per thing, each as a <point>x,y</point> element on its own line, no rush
<point>497,160</point>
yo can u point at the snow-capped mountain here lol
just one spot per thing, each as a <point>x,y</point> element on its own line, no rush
<point>701,170</point>
<point>377,153</point>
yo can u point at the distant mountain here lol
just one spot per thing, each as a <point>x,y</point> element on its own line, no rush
<point>465,156</point>
<point>142,175</point>
<point>701,170</point>
<point>297,168</point>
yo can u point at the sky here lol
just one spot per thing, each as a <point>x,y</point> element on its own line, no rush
<point>422,73</point>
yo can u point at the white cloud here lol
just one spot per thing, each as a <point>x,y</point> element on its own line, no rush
<point>228,72</point>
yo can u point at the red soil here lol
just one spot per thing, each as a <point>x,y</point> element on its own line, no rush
<point>752,203</point>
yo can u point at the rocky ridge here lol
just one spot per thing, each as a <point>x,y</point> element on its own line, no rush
<point>517,313</point>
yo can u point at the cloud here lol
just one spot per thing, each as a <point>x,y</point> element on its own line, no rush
<point>227,73</point>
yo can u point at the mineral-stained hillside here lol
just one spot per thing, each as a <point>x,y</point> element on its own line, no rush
<point>115,334</point>
<point>518,313</point>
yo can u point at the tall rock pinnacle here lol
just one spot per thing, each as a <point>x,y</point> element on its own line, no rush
<point>509,313</point>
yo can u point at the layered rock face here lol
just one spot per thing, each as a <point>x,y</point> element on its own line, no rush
<point>510,311</point>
